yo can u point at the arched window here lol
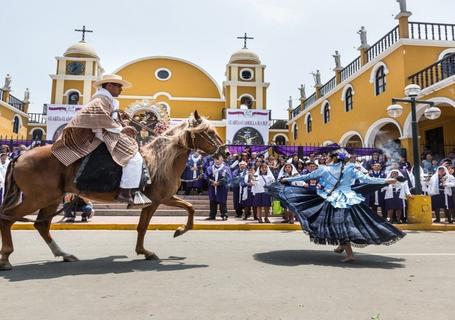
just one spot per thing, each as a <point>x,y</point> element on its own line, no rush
<point>380,80</point>
<point>326,113</point>
<point>37,135</point>
<point>16,124</point>
<point>247,101</point>
<point>73,97</point>
<point>309,124</point>
<point>348,100</point>
<point>448,65</point>
<point>296,131</point>
<point>280,140</point>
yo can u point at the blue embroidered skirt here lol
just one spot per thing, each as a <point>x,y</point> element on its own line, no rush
<point>325,224</point>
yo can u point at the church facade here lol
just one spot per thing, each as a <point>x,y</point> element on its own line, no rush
<point>174,84</point>
<point>351,108</point>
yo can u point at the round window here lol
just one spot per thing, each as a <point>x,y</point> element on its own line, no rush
<point>246,74</point>
<point>163,74</point>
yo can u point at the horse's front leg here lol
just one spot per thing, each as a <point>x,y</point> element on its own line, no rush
<point>146,215</point>
<point>175,201</point>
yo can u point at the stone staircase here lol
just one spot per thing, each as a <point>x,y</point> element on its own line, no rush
<point>199,202</point>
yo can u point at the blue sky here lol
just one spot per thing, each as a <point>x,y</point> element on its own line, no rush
<point>292,37</point>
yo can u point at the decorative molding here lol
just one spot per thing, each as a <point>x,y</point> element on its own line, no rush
<point>345,89</point>
<point>9,107</point>
<point>374,128</point>
<point>375,69</point>
<point>170,97</point>
<point>280,135</point>
<point>348,135</point>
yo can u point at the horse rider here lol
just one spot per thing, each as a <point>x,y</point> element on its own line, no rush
<point>94,125</point>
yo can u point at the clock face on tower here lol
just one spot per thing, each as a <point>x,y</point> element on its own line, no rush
<point>75,68</point>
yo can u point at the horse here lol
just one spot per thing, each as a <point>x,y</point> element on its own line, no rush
<point>38,181</point>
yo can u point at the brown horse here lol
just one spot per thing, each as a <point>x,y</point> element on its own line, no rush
<point>37,181</point>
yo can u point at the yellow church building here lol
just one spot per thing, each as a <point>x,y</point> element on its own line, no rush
<point>351,108</point>
<point>175,84</point>
<point>14,119</point>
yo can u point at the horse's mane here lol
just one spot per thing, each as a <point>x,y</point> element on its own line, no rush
<point>161,152</point>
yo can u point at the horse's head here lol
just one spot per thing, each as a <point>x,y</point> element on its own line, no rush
<point>202,136</point>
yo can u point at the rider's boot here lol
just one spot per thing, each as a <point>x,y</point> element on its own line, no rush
<point>134,199</point>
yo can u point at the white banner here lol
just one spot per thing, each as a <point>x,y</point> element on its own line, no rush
<point>247,127</point>
<point>58,115</point>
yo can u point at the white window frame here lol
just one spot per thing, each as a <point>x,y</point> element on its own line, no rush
<point>163,69</point>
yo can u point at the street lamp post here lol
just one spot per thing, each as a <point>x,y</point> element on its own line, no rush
<point>395,110</point>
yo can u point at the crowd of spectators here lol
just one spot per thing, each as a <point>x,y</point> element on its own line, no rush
<point>248,173</point>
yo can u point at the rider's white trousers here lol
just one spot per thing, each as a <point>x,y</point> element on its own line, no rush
<point>132,173</point>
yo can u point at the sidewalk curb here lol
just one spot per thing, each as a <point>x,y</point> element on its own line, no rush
<point>218,227</point>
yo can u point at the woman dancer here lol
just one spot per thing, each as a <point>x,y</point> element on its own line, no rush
<point>337,214</point>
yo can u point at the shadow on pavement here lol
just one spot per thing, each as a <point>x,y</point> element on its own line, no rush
<point>57,269</point>
<point>292,258</point>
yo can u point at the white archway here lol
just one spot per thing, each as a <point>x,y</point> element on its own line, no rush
<point>446,51</point>
<point>67,92</point>
<point>280,135</point>
<point>246,95</point>
<point>345,89</point>
<point>35,129</point>
<point>373,130</point>
<point>347,136</point>
<point>326,102</point>
<point>420,109</point>
<point>376,68</point>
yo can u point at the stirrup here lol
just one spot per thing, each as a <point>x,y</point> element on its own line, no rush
<point>140,200</point>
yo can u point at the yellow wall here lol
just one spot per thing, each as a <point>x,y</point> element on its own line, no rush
<point>367,107</point>
<point>6,124</point>
<point>186,80</point>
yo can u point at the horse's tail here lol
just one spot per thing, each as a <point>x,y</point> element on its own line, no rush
<point>12,194</point>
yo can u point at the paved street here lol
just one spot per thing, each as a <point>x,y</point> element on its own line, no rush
<point>227,275</point>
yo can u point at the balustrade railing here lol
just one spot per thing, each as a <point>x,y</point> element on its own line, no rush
<point>434,73</point>
<point>329,86</point>
<point>309,101</point>
<point>350,69</point>
<point>15,102</point>
<point>432,31</point>
<point>295,112</point>
<point>36,118</point>
<point>1,95</point>
<point>383,44</point>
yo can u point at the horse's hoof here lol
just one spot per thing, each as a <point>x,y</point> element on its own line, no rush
<point>151,256</point>
<point>5,266</point>
<point>70,258</point>
<point>178,232</point>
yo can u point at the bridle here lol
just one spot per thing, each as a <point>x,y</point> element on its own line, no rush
<point>211,141</point>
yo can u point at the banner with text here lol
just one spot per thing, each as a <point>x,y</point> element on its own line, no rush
<point>58,115</point>
<point>248,127</point>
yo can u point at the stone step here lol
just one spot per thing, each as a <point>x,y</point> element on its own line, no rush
<point>159,212</point>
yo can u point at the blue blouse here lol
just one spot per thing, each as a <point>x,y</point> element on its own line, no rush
<point>343,196</point>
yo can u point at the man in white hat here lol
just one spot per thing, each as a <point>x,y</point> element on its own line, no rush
<point>94,125</point>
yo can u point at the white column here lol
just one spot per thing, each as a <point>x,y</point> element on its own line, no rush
<point>233,102</point>
<point>259,97</point>
<point>59,91</point>
<point>87,91</point>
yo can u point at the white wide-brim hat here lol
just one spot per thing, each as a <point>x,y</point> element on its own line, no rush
<point>112,78</point>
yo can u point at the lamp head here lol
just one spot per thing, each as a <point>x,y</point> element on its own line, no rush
<point>412,90</point>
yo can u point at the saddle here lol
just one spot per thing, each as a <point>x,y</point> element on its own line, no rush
<point>98,172</point>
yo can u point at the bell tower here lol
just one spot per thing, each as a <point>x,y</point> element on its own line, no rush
<point>244,86</point>
<point>76,70</point>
